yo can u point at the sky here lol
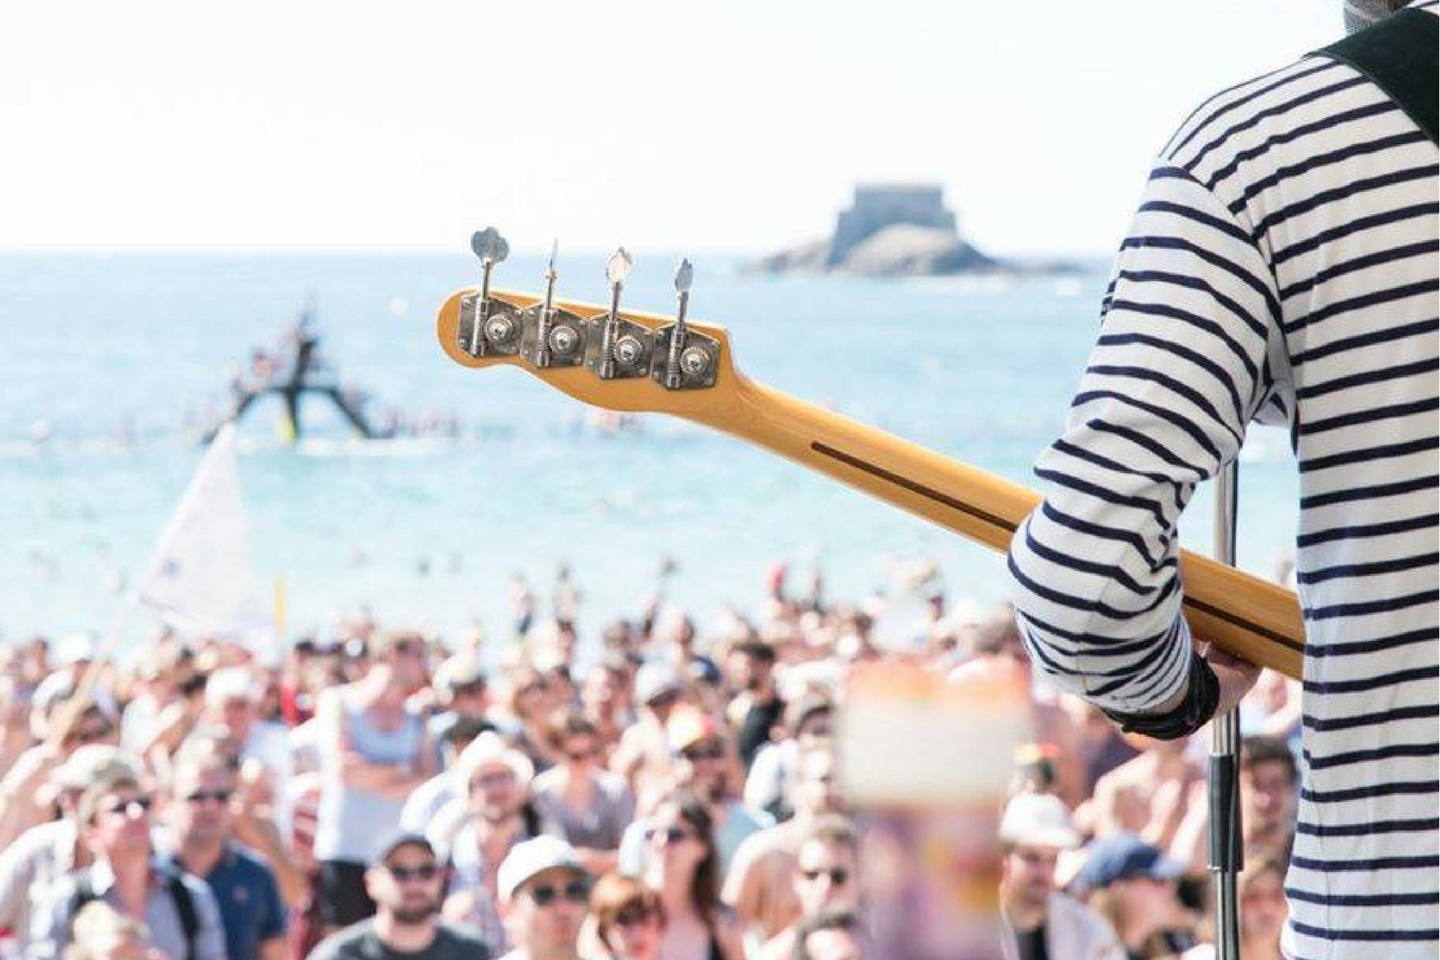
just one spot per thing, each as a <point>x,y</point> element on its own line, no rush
<point>739,127</point>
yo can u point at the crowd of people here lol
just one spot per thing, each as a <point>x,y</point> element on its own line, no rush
<point>670,795</point>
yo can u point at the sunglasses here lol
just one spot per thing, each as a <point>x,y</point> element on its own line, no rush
<point>426,871</point>
<point>92,734</point>
<point>576,891</point>
<point>122,807</point>
<point>632,916</point>
<point>671,836</point>
<point>219,796</point>
<point>838,877</point>
<point>703,753</point>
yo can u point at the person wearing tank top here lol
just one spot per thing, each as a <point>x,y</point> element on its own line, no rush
<point>374,751</point>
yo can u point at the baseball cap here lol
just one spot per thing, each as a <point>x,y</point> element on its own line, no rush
<point>1122,856</point>
<point>531,857</point>
<point>489,749</point>
<point>92,762</point>
<point>654,678</point>
<point>461,670</point>
<point>404,838</point>
<point>689,726</point>
<point>1038,820</point>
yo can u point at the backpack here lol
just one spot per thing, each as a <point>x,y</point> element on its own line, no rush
<point>174,885</point>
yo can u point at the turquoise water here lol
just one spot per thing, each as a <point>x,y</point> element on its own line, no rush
<point>109,357</point>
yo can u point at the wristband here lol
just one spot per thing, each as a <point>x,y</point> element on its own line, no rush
<point>1202,696</point>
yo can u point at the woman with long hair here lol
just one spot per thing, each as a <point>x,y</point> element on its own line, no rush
<point>683,867</point>
<point>629,918</point>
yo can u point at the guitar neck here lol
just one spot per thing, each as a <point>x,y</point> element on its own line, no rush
<point>1237,612</point>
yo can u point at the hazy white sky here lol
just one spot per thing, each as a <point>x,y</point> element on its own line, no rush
<point>738,126</point>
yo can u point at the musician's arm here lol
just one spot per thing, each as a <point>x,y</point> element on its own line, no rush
<point>1180,368</point>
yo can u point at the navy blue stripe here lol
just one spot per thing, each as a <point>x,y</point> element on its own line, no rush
<point>1346,344</point>
<point>1372,792</point>
<point>1254,119</point>
<point>1377,645</point>
<point>1195,320</point>
<point>1378,863</point>
<point>1370,683</point>
<point>1160,413</point>
<point>1185,353</point>
<point>1430,209</point>
<point>1359,531</point>
<point>1147,443</point>
<point>1325,123</point>
<point>1368,827</point>
<point>1175,386</point>
<point>1375,568</point>
<point>1417,712</point>
<point>1366,608</point>
<point>1195,283</point>
<point>1136,542</point>
<point>1367,936</point>
<point>1348,192</point>
<point>1227,227</point>
<point>1370,756</point>
<point>1090,645</point>
<point>1385,452</point>
<point>1322,160</point>
<point>1364,899</point>
<point>1109,496</point>
<point>1369,416</point>
<point>1361,302</point>
<point>1383,375</point>
<point>1089,456</point>
<point>1320,67</point>
<point>1360,263</point>
<point>1108,571</point>
<point>1214,259</point>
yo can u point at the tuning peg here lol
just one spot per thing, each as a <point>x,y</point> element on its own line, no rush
<point>484,328</point>
<point>626,349</point>
<point>684,277</point>
<point>618,267</point>
<point>547,311</point>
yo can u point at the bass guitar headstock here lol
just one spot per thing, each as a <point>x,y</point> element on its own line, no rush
<point>604,356</point>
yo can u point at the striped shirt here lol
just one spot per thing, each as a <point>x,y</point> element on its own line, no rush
<point>1282,268</point>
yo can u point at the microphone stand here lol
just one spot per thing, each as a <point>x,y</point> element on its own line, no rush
<point>1225,838</point>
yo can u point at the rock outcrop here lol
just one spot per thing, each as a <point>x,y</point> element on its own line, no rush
<point>887,231</point>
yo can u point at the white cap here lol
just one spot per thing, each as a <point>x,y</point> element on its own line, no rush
<point>531,857</point>
<point>231,683</point>
<point>1038,820</point>
<point>489,749</point>
<point>656,677</point>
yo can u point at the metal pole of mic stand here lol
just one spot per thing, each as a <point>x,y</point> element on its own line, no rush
<point>1225,852</point>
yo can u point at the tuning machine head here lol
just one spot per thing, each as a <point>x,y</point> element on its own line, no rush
<point>488,327</point>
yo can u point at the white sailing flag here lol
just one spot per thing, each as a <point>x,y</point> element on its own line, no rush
<point>200,579</point>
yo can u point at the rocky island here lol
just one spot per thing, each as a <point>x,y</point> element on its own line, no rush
<point>889,230</point>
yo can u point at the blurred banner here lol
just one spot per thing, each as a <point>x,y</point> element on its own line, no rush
<point>926,763</point>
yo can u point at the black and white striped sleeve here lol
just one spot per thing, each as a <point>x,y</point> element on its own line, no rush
<point>1179,369</point>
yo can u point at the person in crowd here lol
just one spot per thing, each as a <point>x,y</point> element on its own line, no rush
<point>1148,795</point>
<point>832,935</point>
<point>374,753</point>
<point>605,701</point>
<point>759,883</point>
<point>498,816</point>
<point>591,805</point>
<point>462,690</point>
<point>682,865</point>
<point>1134,886</point>
<point>544,896</point>
<point>201,820</point>
<point>114,813</point>
<point>427,802</point>
<point>629,918</point>
<point>1042,923</point>
<point>1260,891</point>
<point>703,766</point>
<point>103,933</point>
<point>405,881</point>
<point>232,702</point>
<point>529,704</point>
<point>48,851</point>
<point>643,756</point>
<point>757,710</point>
<point>823,876</point>
<point>810,719</point>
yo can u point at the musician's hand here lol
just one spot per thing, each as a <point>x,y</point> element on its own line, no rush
<point>1236,677</point>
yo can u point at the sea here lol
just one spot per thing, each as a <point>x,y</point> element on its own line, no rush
<point>116,364</point>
